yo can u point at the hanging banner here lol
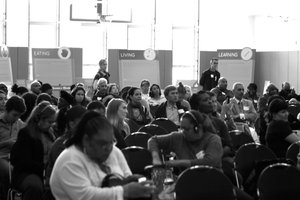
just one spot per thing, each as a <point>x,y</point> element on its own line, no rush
<point>5,66</point>
<point>54,66</point>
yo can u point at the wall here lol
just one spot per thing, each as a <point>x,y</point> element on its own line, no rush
<point>276,67</point>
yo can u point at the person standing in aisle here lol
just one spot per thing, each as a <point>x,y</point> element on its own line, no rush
<point>102,73</point>
<point>210,77</point>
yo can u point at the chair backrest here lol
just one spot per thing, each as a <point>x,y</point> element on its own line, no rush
<point>294,110</point>
<point>138,139</point>
<point>279,181</point>
<point>153,129</point>
<point>293,151</point>
<point>137,158</point>
<point>134,127</point>
<point>165,123</point>
<point>203,182</point>
<point>247,156</point>
<point>240,138</point>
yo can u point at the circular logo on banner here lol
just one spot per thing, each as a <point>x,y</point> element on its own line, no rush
<point>4,52</point>
<point>64,53</point>
<point>246,53</point>
<point>149,54</point>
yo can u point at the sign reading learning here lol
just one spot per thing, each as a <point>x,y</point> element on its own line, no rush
<point>237,65</point>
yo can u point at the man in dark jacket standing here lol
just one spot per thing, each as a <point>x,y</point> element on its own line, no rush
<point>210,77</point>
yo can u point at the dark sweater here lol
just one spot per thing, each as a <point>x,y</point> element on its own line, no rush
<point>276,133</point>
<point>27,157</point>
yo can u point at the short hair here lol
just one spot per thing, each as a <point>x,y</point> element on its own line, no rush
<point>15,103</point>
<point>277,105</point>
<point>45,87</point>
<point>145,81</point>
<point>95,105</point>
<point>235,84</point>
<point>151,92</point>
<point>43,97</point>
<point>168,89</point>
<point>90,124</point>
<point>195,98</point>
<point>102,61</point>
<point>101,80</point>
<point>252,85</point>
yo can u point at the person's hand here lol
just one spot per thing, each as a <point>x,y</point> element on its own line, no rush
<point>157,162</point>
<point>136,190</point>
<point>131,178</point>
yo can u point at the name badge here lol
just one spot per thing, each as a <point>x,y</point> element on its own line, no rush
<point>246,108</point>
<point>200,155</point>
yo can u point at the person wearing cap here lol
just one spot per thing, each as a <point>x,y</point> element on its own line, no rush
<point>279,135</point>
<point>210,77</point>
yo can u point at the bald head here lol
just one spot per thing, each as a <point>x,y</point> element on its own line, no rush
<point>222,83</point>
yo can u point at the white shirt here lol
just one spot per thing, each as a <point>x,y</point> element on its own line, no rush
<point>75,176</point>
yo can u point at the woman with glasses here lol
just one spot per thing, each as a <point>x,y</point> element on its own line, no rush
<point>29,153</point>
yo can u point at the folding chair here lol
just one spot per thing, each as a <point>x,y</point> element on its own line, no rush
<point>245,161</point>
<point>12,193</point>
<point>134,127</point>
<point>137,158</point>
<point>138,139</point>
<point>153,129</point>
<point>165,123</point>
<point>279,181</point>
<point>240,138</point>
<point>203,182</point>
<point>293,151</point>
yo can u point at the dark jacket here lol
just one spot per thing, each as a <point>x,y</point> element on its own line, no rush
<point>27,157</point>
<point>161,110</point>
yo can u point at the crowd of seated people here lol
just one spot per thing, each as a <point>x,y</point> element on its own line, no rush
<point>66,146</point>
